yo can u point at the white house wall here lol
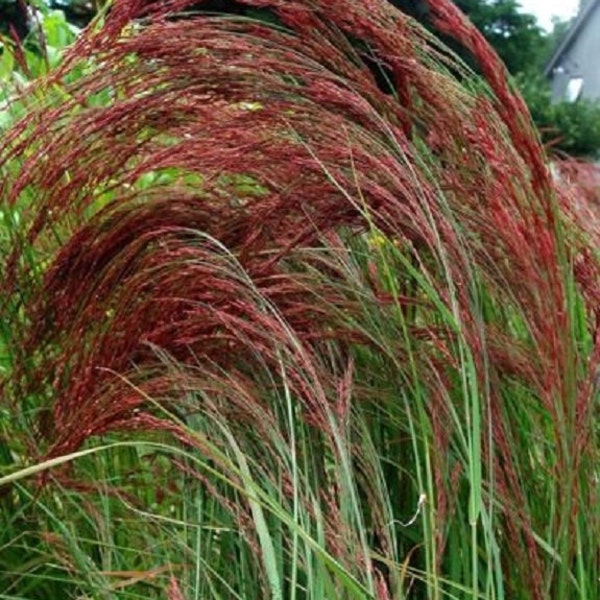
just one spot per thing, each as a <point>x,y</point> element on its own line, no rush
<point>580,60</point>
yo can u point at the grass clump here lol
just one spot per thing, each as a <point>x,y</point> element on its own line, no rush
<point>291,309</point>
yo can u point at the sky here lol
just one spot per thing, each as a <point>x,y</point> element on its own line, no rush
<point>544,10</point>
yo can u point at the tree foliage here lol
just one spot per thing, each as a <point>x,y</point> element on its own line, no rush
<point>516,36</point>
<point>16,19</point>
<point>524,47</point>
<point>565,127</point>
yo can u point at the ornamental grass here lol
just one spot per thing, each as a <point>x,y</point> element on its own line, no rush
<point>292,307</point>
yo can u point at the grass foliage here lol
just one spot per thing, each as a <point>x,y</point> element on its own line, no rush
<point>292,308</point>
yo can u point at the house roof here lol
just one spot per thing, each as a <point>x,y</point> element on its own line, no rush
<point>579,23</point>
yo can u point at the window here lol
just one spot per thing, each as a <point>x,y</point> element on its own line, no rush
<point>574,88</point>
